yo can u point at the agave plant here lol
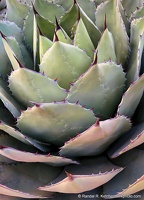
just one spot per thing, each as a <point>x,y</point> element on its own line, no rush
<point>71,90</point>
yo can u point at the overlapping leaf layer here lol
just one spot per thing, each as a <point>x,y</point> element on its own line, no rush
<point>71,99</point>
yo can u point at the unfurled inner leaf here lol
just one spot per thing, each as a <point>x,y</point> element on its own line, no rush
<point>59,63</point>
<point>82,39</point>
<point>115,24</point>
<point>27,85</point>
<point>43,24</point>
<point>106,48</point>
<point>44,45</point>
<point>97,138</point>
<point>100,88</point>
<point>57,122</point>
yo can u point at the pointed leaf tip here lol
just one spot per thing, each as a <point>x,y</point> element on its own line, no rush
<point>79,14</point>
<point>75,2</point>
<point>34,10</point>
<point>105,23</point>
<point>57,25</point>
<point>4,36</point>
<point>20,65</point>
<point>56,37</point>
<point>95,58</point>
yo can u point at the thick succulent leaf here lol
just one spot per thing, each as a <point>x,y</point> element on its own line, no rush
<point>129,181</point>
<point>130,5</point>
<point>97,138</point>
<point>100,88</point>
<point>130,140</point>
<point>59,62</point>
<point>116,26</point>
<point>9,102</point>
<point>16,12</point>
<point>11,29</point>
<point>10,141</point>
<point>92,173</point>
<point>137,45</point>
<point>69,18</point>
<point>23,156</point>
<point>138,13</point>
<point>82,39</point>
<point>131,98</point>
<point>44,45</point>
<point>106,48</point>
<point>27,85</point>
<point>16,193</point>
<point>49,10</point>
<point>57,122</point>
<point>27,177</point>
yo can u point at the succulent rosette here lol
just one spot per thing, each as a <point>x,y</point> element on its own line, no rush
<point>71,90</point>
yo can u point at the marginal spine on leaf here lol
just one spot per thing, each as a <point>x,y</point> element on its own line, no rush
<point>70,176</point>
<point>37,105</point>
<point>97,123</point>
